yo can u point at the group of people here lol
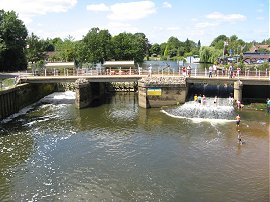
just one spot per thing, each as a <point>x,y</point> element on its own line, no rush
<point>186,71</point>
<point>213,70</point>
<point>201,99</point>
<point>239,137</point>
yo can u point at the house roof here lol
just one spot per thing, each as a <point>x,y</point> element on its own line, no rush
<point>119,64</point>
<point>256,47</point>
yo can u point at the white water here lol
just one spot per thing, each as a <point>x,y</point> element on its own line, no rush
<point>220,112</point>
<point>67,97</point>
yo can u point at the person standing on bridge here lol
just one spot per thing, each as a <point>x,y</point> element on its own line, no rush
<point>215,69</point>
<point>238,71</point>
<point>210,71</point>
<point>189,70</point>
<point>231,71</point>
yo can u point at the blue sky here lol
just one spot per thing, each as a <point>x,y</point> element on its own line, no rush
<point>196,20</point>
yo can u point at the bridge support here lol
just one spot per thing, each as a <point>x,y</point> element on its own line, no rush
<point>238,87</point>
<point>158,92</point>
<point>88,94</point>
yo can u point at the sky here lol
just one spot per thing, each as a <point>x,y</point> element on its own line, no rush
<point>195,20</point>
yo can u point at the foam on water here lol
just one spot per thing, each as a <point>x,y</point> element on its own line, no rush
<point>221,112</point>
<point>59,98</point>
<point>21,112</point>
<point>67,97</point>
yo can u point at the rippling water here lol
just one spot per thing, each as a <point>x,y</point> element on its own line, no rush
<point>120,152</point>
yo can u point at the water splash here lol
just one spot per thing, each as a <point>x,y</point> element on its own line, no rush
<point>67,97</point>
<point>222,111</point>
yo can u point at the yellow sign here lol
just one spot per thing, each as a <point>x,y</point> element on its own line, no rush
<point>154,91</point>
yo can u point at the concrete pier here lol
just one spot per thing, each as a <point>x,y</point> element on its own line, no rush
<point>162,91</point>
<point>238,86</point>
<point>88,93</point>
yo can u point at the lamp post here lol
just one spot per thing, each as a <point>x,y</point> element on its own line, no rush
<point>225,44</point>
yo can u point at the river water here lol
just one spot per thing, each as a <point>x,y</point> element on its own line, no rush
<point>121,152</point>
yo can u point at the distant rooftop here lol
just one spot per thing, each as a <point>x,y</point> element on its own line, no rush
<point>119,64</point>
<point>57,64</point>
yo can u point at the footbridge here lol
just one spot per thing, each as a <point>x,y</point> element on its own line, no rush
<point>155,90</point>
<point>90,78</point>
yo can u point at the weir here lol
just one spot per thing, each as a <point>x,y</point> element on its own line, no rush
<point>222,110</point>
<point>153,91</point>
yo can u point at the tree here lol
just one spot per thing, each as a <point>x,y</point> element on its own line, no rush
<point>143,39</point>
<point>128,46</point>
<point>95,46</point>
<point>13,35</point>
<point>155,49</point>
<point>199,44</point>
<point>218,42</point>
<point>209,54</point>
<point>35,49</point>
<point>66,49</point>
<point>162,48</point>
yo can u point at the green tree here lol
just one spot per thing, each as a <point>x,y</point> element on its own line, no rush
<point>162,48</point>
<point>95,46</point>
<point>35,49</point>
<point>13,35</point>
<point>155,49</point>
<point>218,42</point>
<point>127,46</point>
<point>66,49</point>
<point>209,54</point>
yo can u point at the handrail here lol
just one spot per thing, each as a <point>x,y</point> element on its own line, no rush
<point>193,73</point>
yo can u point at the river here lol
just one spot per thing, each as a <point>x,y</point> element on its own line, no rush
<point>121,152</point>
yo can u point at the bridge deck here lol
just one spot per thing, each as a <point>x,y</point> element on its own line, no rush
<point>133,78</point>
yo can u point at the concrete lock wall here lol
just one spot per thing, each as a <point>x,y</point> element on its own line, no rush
<point>88,94</point>
<point>161,95</point>
<point>13,100</point>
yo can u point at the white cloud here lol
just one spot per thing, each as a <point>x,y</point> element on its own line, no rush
<point>227,18</point>
<point>117,27</point>
<point>132,10</point>
<point>166,5</point>
<point>26,9</point>
<point>205,25</point>
<point>97,7</point>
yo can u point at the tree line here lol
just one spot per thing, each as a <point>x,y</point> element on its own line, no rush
<point>18,48</point>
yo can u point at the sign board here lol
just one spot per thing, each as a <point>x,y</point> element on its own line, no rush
<point>154,91</point>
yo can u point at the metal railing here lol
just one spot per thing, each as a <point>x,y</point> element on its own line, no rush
<point>256,74</point>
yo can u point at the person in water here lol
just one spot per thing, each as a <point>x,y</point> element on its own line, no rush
<point>200,99</point>
<point>203,99</point>
<point>268,105</point>
<point>215,100</point>
<point>237,120</point>
<point>195,98</point>
<point>239,137</point>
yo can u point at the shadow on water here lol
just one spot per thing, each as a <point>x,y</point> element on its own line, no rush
<point>223,91</point>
